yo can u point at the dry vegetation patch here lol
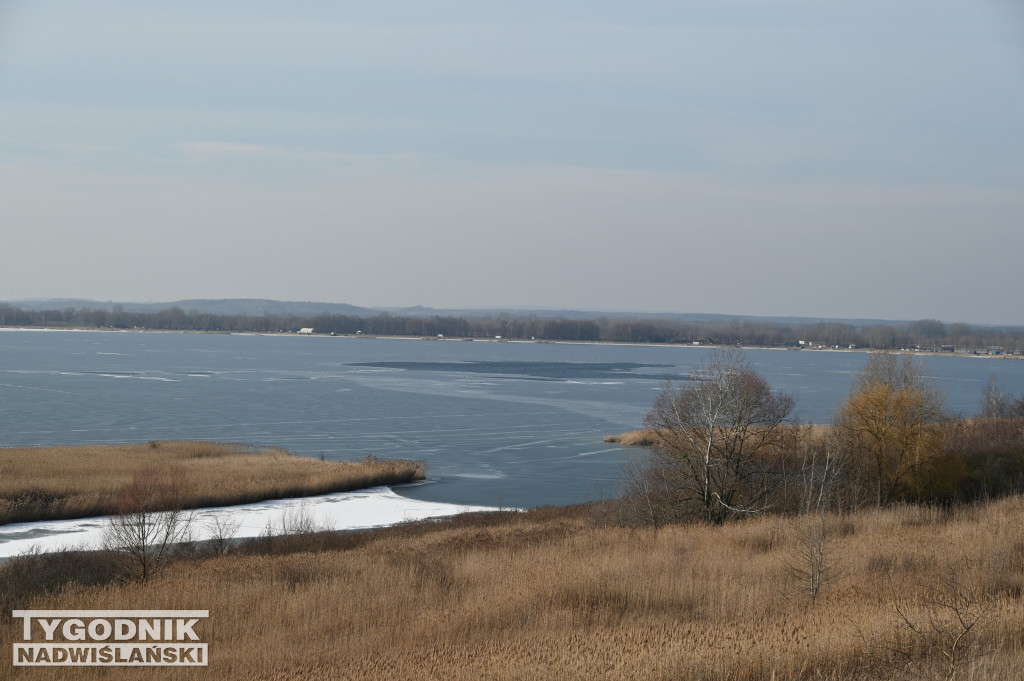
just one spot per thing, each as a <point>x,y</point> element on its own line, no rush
<point>646,437</point>
<point>74,482</point>
<point>547,595</point>
<point>634,438</point>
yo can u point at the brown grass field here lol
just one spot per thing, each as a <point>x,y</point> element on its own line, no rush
<point>555,594</point>
<point>76,482</point>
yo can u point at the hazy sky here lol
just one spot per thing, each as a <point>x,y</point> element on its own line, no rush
<point>860,158</point>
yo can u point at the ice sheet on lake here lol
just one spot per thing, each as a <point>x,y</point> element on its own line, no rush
<point>375,507</point>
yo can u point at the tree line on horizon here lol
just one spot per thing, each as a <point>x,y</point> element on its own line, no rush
<point>926,334</point>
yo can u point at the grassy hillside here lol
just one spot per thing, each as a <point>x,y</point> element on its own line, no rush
<point>910,592</point>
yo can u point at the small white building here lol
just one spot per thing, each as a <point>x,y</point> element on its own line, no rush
<point>308,331</point>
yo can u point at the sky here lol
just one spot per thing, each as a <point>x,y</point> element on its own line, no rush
<point>821,158</point>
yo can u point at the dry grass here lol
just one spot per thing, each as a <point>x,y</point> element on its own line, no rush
<point>646,437</point>
<point>634,438</point>
<point>546,595</point>
<point>75,482</point>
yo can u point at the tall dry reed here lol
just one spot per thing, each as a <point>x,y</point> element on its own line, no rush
<point>73,482</point>
<point>546,595</point>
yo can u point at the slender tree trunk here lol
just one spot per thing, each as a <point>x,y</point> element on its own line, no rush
<point>707,481</point>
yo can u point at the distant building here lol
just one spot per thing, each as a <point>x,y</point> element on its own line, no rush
<point>306,331</point>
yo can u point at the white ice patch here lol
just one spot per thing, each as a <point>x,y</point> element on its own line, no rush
<point>375,507</point>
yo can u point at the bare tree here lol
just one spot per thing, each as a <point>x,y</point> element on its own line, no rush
<point>299,520</point>
<point>651,492</point>
<point>222,529</point>
<point>150,523</point>
<point>717,429</point>
<point>811,566</point>
<point>995,404</point>
<point>941,632</point>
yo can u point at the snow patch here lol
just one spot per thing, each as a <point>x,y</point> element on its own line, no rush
<point>375,507</point>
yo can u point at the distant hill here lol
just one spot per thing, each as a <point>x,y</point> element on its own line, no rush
<point>253,307</point>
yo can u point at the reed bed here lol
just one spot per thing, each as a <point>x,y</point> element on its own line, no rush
<point>647,437</point>
<point>549,595</point>
<point>75,482</point>
<point>634,438</point>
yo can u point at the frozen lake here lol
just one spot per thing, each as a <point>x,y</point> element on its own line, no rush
<point>513,424</point>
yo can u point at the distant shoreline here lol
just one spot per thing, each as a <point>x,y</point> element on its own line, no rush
<point>542,341</point>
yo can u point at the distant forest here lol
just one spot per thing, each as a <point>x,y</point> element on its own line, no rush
<point>926,334</point>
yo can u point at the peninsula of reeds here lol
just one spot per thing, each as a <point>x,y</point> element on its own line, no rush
<point>49,483</point>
